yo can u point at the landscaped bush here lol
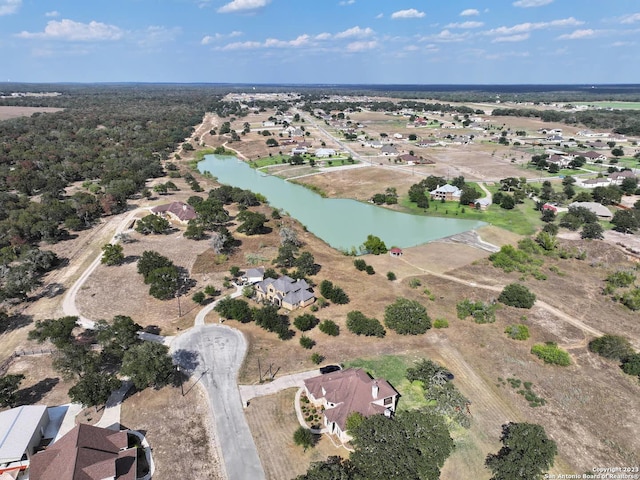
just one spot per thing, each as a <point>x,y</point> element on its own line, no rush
<point>305,322</point>
<point>551,353</point>
<point>360,324</point>
<point>330,328</point>
<point>407,317</point>
<point>199,297</point>
<point>516,295</point>
<point>517,331</point>
<point>231,308</point>
<point>317,359</point>
<point>611,346</point>
<point>369,269</point>
<point>391,276</point>
<point>481,312</point>
<point>440,323</point>
<point>307,342</point>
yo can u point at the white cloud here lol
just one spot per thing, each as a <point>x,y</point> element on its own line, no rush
<point>531,3</point>
<point>301,41</point>
<point>465,25</point>
<point>243,5</point>
<point>447,36</point>
<point>76,31</point>
<point>346,2</point>
<point>632,18</point>
<point>361,46</point>
<point>622,44</point>
<point>529,27</point>
<point>578,34</point>
<point>207,39</point>
<point>241,46</point>
<point>380,15</point>
<point>512,38</point>
<point>7,7</point>
<point>355,32</point>
<point>411,13</point>
<point>469,12</point>
<point>53,13</point>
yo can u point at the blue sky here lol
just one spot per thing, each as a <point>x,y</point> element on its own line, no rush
<point>321,41</point>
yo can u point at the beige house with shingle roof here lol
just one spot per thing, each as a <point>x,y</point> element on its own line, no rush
<point>347,391</point>
<point>285,292</point>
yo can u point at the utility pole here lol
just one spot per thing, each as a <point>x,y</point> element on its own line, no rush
<point>180,380</point>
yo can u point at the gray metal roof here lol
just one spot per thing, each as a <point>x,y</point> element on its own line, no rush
<point>17,427</point>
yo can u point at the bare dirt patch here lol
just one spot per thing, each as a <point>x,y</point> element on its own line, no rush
<point>178,430</point>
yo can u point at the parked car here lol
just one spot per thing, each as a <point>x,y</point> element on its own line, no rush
<point>329,369</point>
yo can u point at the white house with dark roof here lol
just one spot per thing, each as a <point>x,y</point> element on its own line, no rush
<point>347,391</point>
<point>253,275</point>
<point>389,150</point>
<point>285,292</point>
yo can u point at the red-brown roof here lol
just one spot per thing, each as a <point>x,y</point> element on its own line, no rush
<point>351,390</point>
<point>183,211</point>
<point>85,453</point>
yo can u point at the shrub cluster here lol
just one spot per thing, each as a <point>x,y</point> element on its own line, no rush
<point>360,324</point>
<point>331,292</point>
<point>330,328</point>
<point>551,353</point>
<point>480,311</point>
<point>517,331</point>
<point>516,295</point>
<point>305,322</point>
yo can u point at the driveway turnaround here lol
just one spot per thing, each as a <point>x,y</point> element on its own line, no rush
<point>219,351</point>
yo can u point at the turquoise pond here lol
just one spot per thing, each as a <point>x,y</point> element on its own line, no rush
<point>342,223</point>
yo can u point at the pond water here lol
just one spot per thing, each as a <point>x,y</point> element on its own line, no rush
<point>342,223</point>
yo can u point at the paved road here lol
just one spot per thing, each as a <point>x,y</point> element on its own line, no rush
<point>295,380</point>
<point>220,351</point>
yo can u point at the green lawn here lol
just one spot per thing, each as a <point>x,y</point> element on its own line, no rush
<point>393,369</point>
<point>522,220</point>
<point>266,161</point>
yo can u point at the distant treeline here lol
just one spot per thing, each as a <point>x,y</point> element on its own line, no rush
<point>624,122</point>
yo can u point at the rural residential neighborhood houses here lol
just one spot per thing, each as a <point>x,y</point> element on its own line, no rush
<point>347,391</point>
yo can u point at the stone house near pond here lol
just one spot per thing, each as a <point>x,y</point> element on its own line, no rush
<point>285,292</point>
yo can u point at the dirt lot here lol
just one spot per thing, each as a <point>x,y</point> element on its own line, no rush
<point>178,429</point>
<point>42,384</point>
<point>14,112</point>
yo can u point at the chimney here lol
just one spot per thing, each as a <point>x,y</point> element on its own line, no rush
<point>374,390</point>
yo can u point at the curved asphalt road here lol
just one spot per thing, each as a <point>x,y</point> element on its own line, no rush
<point>220,351</point>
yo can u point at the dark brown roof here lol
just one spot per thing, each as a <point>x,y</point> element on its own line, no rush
<point>351,390</point>
<point>183,211</point>
<point>85,453</point>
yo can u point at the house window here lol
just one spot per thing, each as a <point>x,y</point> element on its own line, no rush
<point>388,400</point>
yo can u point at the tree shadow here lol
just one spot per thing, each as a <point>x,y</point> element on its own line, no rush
<point>130,259</point>
<point>35,393</point>
<point>14,322</point>
<point>186,359</point>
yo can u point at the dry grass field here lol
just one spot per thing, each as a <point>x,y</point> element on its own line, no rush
<point>8,112</point>
<point>592,408</point>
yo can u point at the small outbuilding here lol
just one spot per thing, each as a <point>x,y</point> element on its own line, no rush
<point>395,252</point>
